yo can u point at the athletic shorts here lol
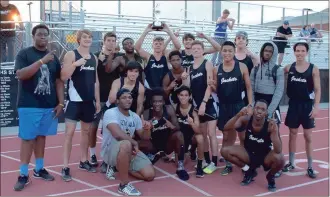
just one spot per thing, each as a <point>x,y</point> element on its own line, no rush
<point>268,98</point>
<point>281,46</point>
<point>211,112</point>
<point>227,112</point>
<point>80,111</point>
<point>257,159</point>
<point>160,142</point>
<point>35,122</point>
<point>110,154</point>
<point>298,114</point>
<point>99,116</point>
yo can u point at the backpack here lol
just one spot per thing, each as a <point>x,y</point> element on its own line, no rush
<point>274,72</point>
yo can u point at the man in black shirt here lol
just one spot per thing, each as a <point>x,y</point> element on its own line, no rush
<point>106,78</point>
<point>9,13</point>
<point>283,33</point>
<point>39,103</point>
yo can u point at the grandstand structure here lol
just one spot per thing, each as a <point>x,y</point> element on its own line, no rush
<point>64,19</point>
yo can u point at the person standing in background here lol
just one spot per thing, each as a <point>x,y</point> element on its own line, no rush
<point>9,13</point>
<point>220,34</point>
<point>283,33</point>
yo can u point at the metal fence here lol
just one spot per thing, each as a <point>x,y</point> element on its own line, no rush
<point>63,39</point>
<point>191,11</point>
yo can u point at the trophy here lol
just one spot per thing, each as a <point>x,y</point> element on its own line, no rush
<point>157,24</point>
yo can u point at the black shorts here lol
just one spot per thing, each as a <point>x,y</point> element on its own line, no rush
<point>298,114</point>
<point>258,159</point>
<point>160,142</point>
<point>281,46</point>
<point>227,112</point>
<point>80,111</point>
<point>211,112</point>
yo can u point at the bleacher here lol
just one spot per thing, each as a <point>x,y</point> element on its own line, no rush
<point>133,26</point>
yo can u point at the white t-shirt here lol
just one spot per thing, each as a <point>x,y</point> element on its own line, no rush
<point>128,124</point>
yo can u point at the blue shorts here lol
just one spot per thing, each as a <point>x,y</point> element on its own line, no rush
<point>35,122</point>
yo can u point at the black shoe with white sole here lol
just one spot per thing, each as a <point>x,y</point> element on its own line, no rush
<point>43,174</point>
<point>94,161</point>
<point>21,183</point>
<point>87,166</point>
<point>66,174</point>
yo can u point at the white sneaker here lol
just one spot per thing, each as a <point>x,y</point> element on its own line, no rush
<point>204,165</point>
<point>129,190</point>
<point>110,174</point>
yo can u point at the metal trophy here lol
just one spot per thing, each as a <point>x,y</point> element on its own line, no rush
<point>157,24</point>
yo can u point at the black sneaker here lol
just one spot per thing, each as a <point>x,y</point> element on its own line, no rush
<point>104,167</point>
<point>222,159</point>
<point>227,170</point>
<point>66,174</point>
<point>21,182</point>
<point>271,182</point>
<point>94,161</point>
<point>43,174</point>
<point>288,167</point>
<point>199,173</point>
<point>311,173</point>
<point>87,166</point>
<point>183,175</point>
<point>278,174</point>
<point>248,177</point>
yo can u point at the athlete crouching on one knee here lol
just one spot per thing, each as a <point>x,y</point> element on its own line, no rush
<point>262,144</point>
<point>120,149</point>
<point>165,134</point>
<point>189,125</point>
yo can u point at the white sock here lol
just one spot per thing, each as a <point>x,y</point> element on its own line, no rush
<point>92,151</point>
<point>245,168</point>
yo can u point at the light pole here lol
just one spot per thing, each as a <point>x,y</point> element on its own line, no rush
<point>307,10</point>
<point>29,4</point>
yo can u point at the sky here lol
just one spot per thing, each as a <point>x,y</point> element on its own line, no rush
<point>197,10</point>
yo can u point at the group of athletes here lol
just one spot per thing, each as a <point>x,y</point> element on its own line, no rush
<point>170,100</point>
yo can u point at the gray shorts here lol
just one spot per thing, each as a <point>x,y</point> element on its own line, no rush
<point>110,153</point>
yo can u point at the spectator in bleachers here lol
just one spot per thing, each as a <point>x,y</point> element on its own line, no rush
<point>9,12</point>
<point>220,34</point>
<point>304,33</point>
<point>314,33</point>
<point>283,33</point>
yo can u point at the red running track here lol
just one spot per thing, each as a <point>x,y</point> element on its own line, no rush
<point>295,183</point>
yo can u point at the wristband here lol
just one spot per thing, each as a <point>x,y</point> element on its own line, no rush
<point>41,61</point>
<point>61,104</point>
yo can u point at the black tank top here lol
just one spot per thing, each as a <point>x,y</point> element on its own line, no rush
<point>184,125</point>
<point>198,82</point>
<point>159,131</point>
<point>155,72</point>
<point>173,95</point>
<point>187,60</point>
<point>81,85</point>
<point>134,93</point>
<point>257,142</point>
<point>230,85</point>
<point>137,59</point>
<point>300,86</point>
<point>247,61</point>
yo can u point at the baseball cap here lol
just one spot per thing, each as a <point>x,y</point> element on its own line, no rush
<point>122,91</point>
<point>242,33</point>
<point>286,22</point>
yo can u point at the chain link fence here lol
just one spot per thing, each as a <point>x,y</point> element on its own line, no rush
<point>63,39</point>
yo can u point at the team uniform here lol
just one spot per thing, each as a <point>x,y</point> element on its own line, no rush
<point>198,84</point>
<point>257,145</point>
<point>173,98</point>
<point>187,60</point>
<point>229,90</point>
<point>249,63</point>
<point>300,90</point>
<point>185,128</point>
<point>155,71</point>
<point>160,133</point>
<point>81,91</point>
